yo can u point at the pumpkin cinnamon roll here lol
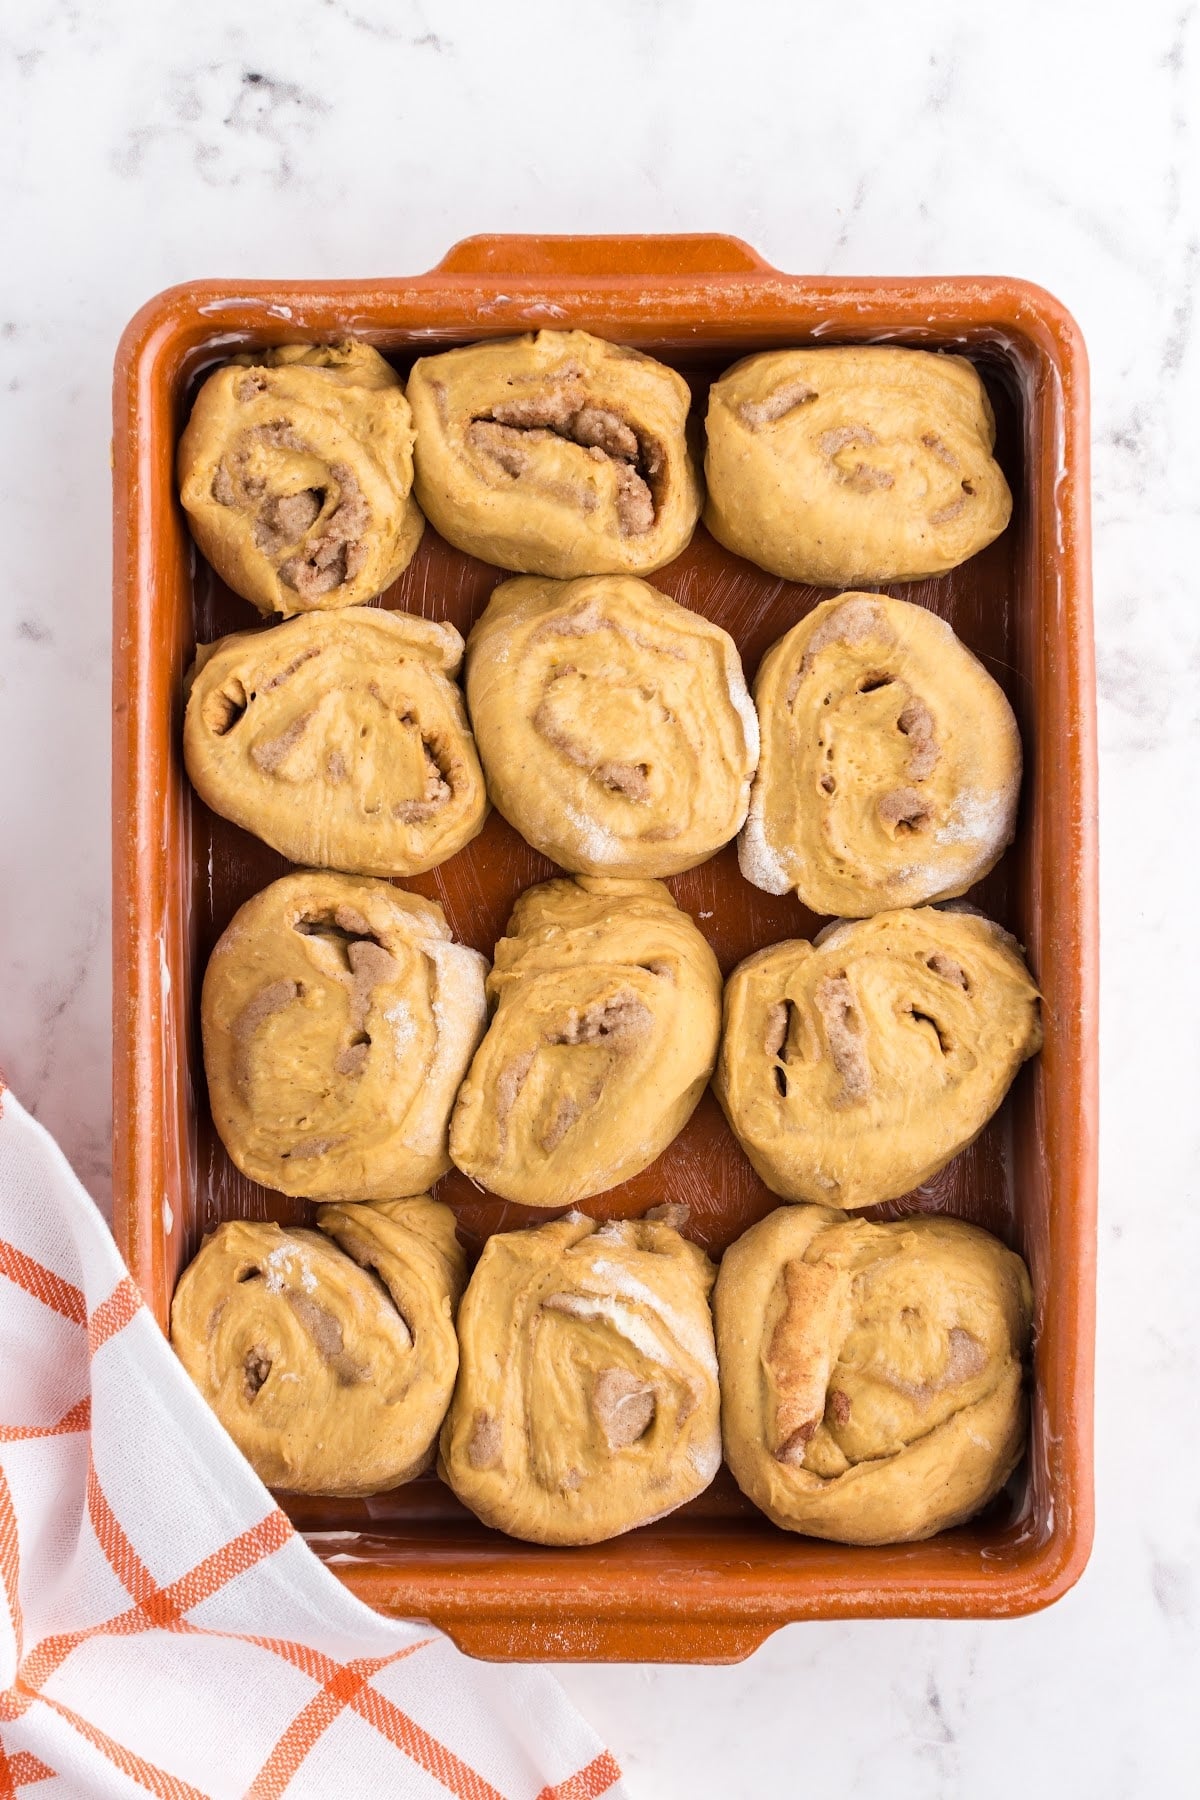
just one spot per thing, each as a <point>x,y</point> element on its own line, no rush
<point>853,1068</point>
<point>555,454</point>
<point>607,1011</point>
<point>340,739</point>
<point>890,766</point>
<point>614,724</point>
<point>587,1399</point>
<point>871,1375</point>
<point>338,1019</point>
<point>330,1359</point>
<point>853,464</point>
<point>295,471</point>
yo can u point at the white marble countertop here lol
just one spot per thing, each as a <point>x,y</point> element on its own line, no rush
<point>143,144</point>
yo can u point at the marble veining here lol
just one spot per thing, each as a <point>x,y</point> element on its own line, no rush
<point>147,144</point>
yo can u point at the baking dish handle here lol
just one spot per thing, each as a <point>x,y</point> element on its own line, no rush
<point>683,253</point>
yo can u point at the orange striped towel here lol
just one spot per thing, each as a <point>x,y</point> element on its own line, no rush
<point>162,1628</point>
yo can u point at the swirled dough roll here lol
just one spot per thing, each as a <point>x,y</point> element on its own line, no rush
<point>555,454</point>
<point>587,1400</point>
<point>330,1360</point>
<point>613,723</point>
<point>852,1069</point>
<point>296,470</point>
<point>340,739</point>
<point>338,1020</point>
<point>891,761</point>
<point>607,1011</point>
<point>871,1375</point>
<point>852,464</point>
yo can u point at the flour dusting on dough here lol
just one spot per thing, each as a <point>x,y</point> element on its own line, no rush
<point>459,1013</point>
<point>758,860</point>
<point>976,818</point>
<point>743,705</point>
<point>594,841</point>
<point>689,1333</point>
<point>706,1458</point>
<point>623,1319</point>
<point>283,1265</point>
<point>403,1025</point>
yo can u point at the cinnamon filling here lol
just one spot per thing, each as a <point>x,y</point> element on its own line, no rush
<point>270,753</point>
<point>271,999</point>
<point>510,433</point>
<point>904,810</point>
<point>509,1083</point>
<point>438,789</point>
<point>630,779</point>
<point>916,724</point>
<point>624,1406</point>
<point>619,1016</point>
<point>256,1368</point>
<point>948,969</point>
<point>284,519</point>
<point>850,470</point>
<point>845,1036</point>
<point>338,554</point>
<point>483,1445</point>
<point>776,406</point>
<point>326,1333</point>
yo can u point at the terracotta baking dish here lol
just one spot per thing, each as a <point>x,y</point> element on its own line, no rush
<point>711,1582</point>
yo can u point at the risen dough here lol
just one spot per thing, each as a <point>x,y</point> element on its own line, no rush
<point>607,1013</point>
<point>587,1401</point>
<point>853,464</point>
<point>613,723</point>
<point>338,1020</point>
<point>871,1383</point>
<point>853,1069</point>
<point>340,739</point>
<point>330,1360</point>
<point>296,470</point>
<point>891,761</point>
<point>556,454</point>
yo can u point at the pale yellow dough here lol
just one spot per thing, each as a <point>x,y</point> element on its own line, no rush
<point>853,1069</point>
<point>871,1375</point>
<point>890,766</point>
<point>340,739</point>
<point>556,454</point>
<point>853,464</point>
<point>296,471</point>
<point>614,724</point>
<point>338,1020</point>
<point>330,1360</point>
<point>587,1401</point>
<point>607,1012</point>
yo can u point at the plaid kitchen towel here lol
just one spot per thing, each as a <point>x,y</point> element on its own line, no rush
<point>162,1628</point>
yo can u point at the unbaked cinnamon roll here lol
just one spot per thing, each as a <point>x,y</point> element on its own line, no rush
<point>852,464</point>
<point>613,723</point>
<point>607,1005</point>
<point>587,1400</point>
<point>871,1375</point>
<point>890,766</point>
<point>340,739</point>
<point>330,1359</point>
<point>338,1019</point>
<point>296,471</point>
<point>555,454</point>
<point>852,1069</point>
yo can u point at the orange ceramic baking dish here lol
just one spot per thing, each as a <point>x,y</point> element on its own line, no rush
<point>711,1582</point>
